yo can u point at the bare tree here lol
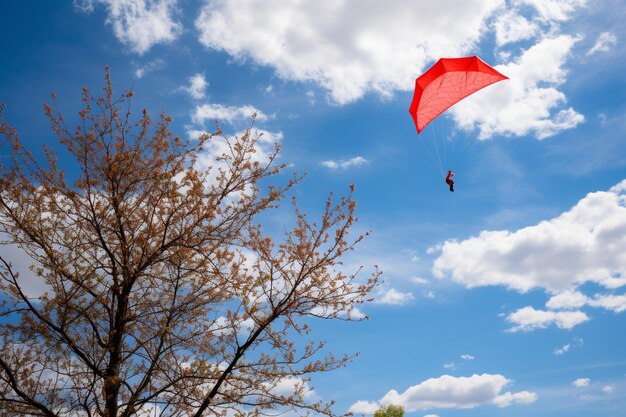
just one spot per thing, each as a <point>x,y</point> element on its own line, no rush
<point>162,286</point>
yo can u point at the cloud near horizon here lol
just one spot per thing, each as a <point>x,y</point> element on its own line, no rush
<point>450,392</point>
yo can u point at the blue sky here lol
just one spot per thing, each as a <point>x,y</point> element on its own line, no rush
<point>505,298</point>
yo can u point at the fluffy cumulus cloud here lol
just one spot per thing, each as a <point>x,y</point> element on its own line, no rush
<point>380,47</point>
<point>585,244</point>
<point>527,318</point>
<point>567,299</point>
<point>508,398</point>
<point>617,303</point>
<point>197,86</point>
<point>529,102</point>
<point>139,24</point>
<point>451,392</point>
<point>511,26</point>
<point>364,407</point>
<point>349,49</point>
<point>576,299</point>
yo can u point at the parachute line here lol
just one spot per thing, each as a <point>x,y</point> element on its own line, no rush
<point>443,85</point>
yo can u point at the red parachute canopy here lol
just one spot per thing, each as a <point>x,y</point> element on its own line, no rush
<point>446,83</point>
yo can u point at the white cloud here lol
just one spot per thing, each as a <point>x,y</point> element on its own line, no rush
<point>211,158</point>
<point>617,303</point>
<point>379,48</point>
<point>139,24</point>
<point>376,47</point>
<point>218,146</point>
<point>363,407</point>
<point>345,163</point>
<point>608,389</point>
<point>197,86</point>
<point>576,342</point>
<point>392,296</point>
<point>581,382</point>
<point>508,398</point>
<point>450,365</point>
<point>584,244</point>
<point>557,10</point>
<point>563,349</point>
<point>357,314</point>
<point>289,385</point>
<point>153,65</point>
<point>420,281</point>
<point>566,300</point>
<point>527,319</point>
<point>451,392</point>
<point>222,325</point>
<point>529,102</point>
<point>604,43</point>
<point>226,114</point>
<point>467,357</point>
<point>85,6</point>
<point>311,96</point>
<point>510,26</point>
<point>32,285</point>
<point>576,299</point>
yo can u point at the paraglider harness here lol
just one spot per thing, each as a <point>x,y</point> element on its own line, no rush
<point>450,181</point>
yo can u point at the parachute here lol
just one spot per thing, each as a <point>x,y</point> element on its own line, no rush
<point>446,83</point>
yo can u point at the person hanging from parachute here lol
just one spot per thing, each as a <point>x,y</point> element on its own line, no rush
<point>446,83</point>
<point>450,181</point>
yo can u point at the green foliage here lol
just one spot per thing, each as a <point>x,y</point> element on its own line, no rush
<point>390,411</point>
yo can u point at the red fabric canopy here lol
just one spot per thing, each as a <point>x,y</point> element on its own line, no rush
<point>447,82</point>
